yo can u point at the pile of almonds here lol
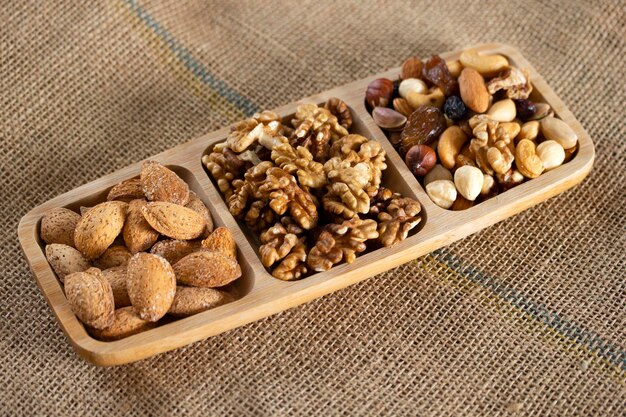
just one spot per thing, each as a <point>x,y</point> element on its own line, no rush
<point>148,251</point>
<point>309,189</point>
<point>467,129</point>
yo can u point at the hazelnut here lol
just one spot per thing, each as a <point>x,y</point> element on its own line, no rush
<point>379,92</point>
<point>442,192</point>
<point>420,159</point>
<point>388,118</point>
<point>411,68</point>
<point>489,186</point>
<point>551,154</point>
<point>461,203</point>
<point>469,181</point>
<point>412,85</point>
<point>437,173</point>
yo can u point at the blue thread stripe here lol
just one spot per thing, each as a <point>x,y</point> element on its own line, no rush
<point>537,311</point>
<point>197,69</point>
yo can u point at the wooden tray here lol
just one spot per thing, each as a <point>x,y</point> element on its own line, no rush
<point>260,294</point>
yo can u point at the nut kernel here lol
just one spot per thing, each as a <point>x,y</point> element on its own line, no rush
<point>412,84</point>
<point>502,111</point>
<point>551,154</point>
<point>442,193</point>
<point>469,181</point>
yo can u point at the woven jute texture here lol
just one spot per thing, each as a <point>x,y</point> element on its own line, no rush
<point>525,318</point>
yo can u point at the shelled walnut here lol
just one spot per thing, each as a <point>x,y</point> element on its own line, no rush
<point>312,191</point>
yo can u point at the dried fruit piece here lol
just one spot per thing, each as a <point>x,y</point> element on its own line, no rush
<point>221,240</point>
<point>99,227</point>
<point>424,126</point>
<point>58,226</point>
<point>525,108</point>
<point>90,297</point>
<point>193,300</point>
<point>174,221</point>
<point>454,108</point>
<point>207,269</point>
<point>138,234</point>
<point>126,322</point>
<point>151,285</point>
<point>65,260</point>
<point>162,184</point>
<point>126,190</point>
<point>174,250</point>
<point>117,278</point>
<point>436,71</point>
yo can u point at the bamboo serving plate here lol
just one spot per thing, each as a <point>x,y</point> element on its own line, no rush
<point>261,295</point>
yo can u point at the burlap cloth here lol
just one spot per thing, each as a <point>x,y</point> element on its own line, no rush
<point>525,318</point>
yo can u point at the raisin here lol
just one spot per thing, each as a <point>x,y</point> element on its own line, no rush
<point>525,108</point>
<point>396,88</point>
<point>424,126</point>
<point>436,71</point>
<point>454,108</point>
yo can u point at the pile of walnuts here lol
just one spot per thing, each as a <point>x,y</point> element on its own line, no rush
<point>310,190</point>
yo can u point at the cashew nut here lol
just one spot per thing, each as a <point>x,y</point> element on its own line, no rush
<point>486,65</point>
<point>434,98</point>
<point>450,143</point>
<point>527,160</point>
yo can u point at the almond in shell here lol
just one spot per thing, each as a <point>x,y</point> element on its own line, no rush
<point>99,227</point>
<point>151,285</point>
<point>117,278</point>
<point>138,234</point>
<point>90,297</point>
<point>193,300</point>
<point>175,250</point>
<point>65,260</point>
<point>199,207</point>
<point>162,184</point>
<point>127,190</point>
<point>207,269</point>
<point>58,226</point>
<point>173,220</point>
<point>221,240</point>
<point>115,255</point>
<point>126,322</point>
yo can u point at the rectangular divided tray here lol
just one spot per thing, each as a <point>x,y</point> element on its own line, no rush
<point>261,295</point>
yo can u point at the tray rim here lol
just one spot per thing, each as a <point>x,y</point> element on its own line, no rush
<point>271,295</point>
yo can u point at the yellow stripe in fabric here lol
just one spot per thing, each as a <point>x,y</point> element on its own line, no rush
<point>452,277</point>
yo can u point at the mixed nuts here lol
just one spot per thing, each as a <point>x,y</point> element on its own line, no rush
<point>148,251</point>
<point>467,128</point>
<point>310,189</point>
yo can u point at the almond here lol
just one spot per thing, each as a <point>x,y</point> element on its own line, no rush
<point>90,297</point>
<point>65,260</point>
<point>115,255</point>
<point>84,210</point>
<point>138,234</point>
<point>99,227</point>
<point>221,240</point>
<point>174,221</point>
<point>199,207</point>
<point>58,225</point>
<point>117,278</point>
<point>193,300</point>
<point>175,250</point>
<point>126,191</point>
<point>126,322</point>
<point>207,269</point>
<point>162,184</point>
<point>473,90</point>
<point>151,285</point>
